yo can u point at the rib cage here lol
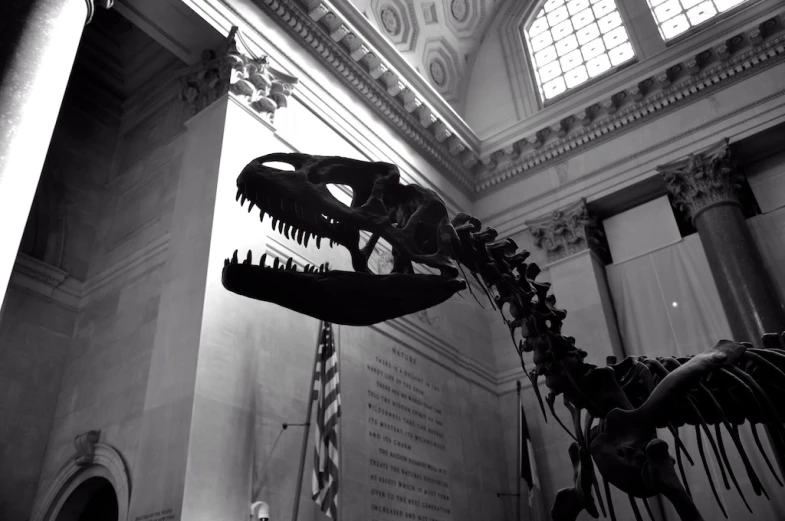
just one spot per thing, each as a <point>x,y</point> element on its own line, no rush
<point>750,391</point>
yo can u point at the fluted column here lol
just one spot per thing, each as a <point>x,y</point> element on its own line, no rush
<point>705,187</point>
<point>39,43</point>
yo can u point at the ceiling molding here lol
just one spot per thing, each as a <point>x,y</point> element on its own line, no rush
<point>714,67</point>
<point>365,67</point>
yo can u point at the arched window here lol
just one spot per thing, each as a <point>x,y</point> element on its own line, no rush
<point>571,42</point>
<point>674,17</point>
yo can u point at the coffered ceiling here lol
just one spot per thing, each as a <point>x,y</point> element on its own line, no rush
<point>439,38</point>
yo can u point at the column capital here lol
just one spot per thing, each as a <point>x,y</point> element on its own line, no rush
<point>704,179</point>
<point>205,82</point>
<point>260,86</point>
<point>91,5</point>
<point>569,230</point>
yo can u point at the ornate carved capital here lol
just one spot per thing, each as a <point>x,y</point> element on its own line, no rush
<point>85,447</point>
<point>567,231</point>
<point>205,82</point>
<point>260,86</point>
<point>702,180</point>
<point>91,4</point>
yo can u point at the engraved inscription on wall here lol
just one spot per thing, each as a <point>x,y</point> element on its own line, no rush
<point>408,474</point>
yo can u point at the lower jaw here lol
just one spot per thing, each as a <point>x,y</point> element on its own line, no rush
<point>341,297</point>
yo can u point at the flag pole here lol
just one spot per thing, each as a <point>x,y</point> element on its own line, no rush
<point>307,424</point>
<point>520,442</point>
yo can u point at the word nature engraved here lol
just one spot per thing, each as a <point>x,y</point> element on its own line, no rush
<point>408,479</point>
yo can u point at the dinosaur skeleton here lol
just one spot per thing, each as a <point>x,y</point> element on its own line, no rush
<point>615,409</point>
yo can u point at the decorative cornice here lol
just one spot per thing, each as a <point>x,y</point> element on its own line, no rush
<point>328,35</point>
<point>702,180</point>
<point>257,85</point>
<point>646,98</point>
<point>567,231</point>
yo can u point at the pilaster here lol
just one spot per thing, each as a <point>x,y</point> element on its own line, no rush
<point>577,251</point>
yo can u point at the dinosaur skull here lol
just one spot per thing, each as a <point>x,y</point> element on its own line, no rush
<point>411,219</point>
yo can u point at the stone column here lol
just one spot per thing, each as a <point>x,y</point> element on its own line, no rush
<point>40,39</point>
<point>705,187</point>
<point>577,252</point>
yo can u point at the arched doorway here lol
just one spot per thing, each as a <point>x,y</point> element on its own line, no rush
<point>93,500</point>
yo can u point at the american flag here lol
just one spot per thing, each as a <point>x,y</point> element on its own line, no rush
<point>328,409</point>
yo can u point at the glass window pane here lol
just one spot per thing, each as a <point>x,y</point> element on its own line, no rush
<point>576,6</point>
<point>541,41</point>
<point>538,26</point>
<point>550,5</point>
<point>572,60</point>
<point>576,76</point>
<point>724,5</point>
<point>569,41</point>
<point>701,13</point>
<point>598,65</point>
<point>550,71</point>
<point>621,53</point>
<point>675,26</point>
<point>545,56</point>
<point>588,33</point>
<point>562,30</point>
<point>584,17</point>
<point>566,45</point>
<point>592,49</point>
<point>615,37</point>
<point>608,22</point>
<point>604,7</point>
<point>554,88</point>
<point>667,10</point>
<point>558,15</point>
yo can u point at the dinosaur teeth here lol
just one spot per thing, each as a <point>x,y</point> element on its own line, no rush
<point>248,258</point>
<point>280,226</point>
<point>275,263</point>
<point>289,264</point>
<point>239,193</point>
<point>318,241</point>
<point>234,257</point>
<point>250,206</point>
<point>275,221</point>
<point>307,236</point>
<point>261,261</point>
<point>226,262</point>
<point>242,200</point>
<point>261,216</point>
<point>300,234</point>
<point>286,229</point>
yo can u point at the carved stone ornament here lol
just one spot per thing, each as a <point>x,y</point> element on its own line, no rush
<point>459,9</point>
<point>205,82</point>
<point>438,75</point>
<point>568,231</point>
<point>260,86</point>
<point>390,20</point>
<point>702,180</point>
<point>85,447</point>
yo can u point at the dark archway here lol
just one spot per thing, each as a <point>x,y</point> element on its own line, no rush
<point>93,500</point>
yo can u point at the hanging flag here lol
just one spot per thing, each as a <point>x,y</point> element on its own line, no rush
<point>528,465</point>
<point>328,409</point>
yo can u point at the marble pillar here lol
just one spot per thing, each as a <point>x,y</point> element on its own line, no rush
<point>705,187</point>
<point>40,39</point>
<point>577,252</point>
